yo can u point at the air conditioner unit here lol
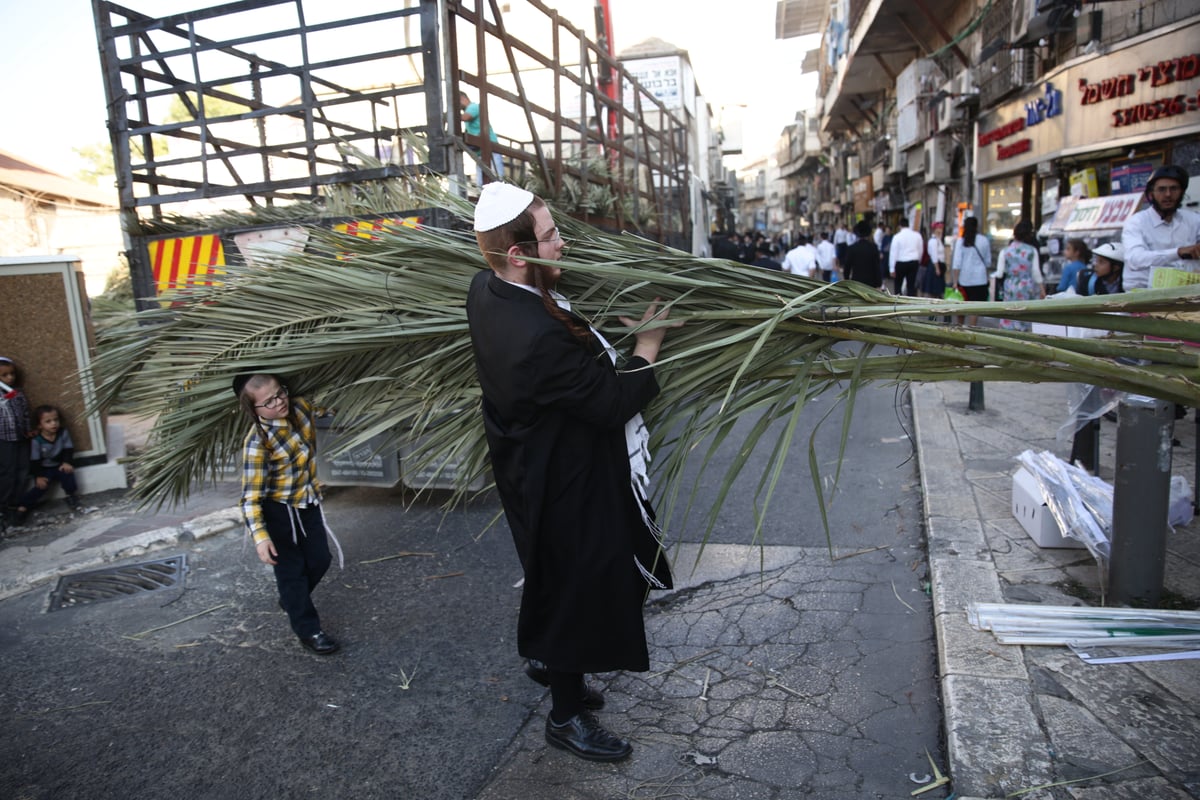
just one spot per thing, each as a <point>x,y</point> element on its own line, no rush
<point>897,160</point>
<point>948,115</point>
<point>938,152</point>
<point>1023,11</point>
<point>964,90</point>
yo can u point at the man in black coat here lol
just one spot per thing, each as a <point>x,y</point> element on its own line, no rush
<point>764,259</point>
<point>862,259</point>
<point>567,446</point>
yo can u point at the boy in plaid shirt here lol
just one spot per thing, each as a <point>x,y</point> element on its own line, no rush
<point>281,500</point>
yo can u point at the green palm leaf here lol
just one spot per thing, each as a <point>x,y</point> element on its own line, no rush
<point>377,329</point>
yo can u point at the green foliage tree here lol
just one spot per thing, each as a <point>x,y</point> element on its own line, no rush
<point>98,163</point>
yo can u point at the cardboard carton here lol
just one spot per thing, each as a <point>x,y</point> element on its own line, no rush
<point>1034,516</point>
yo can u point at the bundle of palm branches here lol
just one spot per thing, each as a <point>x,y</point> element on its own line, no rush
<point>377,329</point>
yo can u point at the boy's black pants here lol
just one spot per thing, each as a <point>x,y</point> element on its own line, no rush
<point>301,563</point>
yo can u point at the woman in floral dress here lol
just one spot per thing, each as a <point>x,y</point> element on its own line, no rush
<point>1020,270</point>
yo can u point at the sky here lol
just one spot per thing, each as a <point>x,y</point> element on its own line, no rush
<point>52,96</point>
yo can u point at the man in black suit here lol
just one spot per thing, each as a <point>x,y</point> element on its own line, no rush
<point>568,450</point>
<point>764,259</point>
<point>862,259</point>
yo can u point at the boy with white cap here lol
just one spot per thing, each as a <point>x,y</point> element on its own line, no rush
<point>562,422</point>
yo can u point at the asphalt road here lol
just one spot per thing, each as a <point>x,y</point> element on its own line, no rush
<point>202,692</point>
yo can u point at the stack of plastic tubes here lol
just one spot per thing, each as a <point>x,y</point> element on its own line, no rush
<point>1086,626</point>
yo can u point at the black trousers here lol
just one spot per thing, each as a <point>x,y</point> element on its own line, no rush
<point>566,694</point>
<point>303,558</point>
<point>14,471</point>
<point>906,271</point>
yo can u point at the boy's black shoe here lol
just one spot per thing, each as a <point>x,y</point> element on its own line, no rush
<point>593,700</point>
<point>584,736</point>
<point>320,643</point>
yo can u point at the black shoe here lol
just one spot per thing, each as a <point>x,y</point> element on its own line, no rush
<point>320,643</point>
<point>584,736</point>
<point>593,700</point>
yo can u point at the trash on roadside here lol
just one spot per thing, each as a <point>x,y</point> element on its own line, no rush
<point>1096,635</point>
<point>1030,509</point>
<point>938,778</point>
<point>1179,510</point>
<point>699,759</point>
<point>1080,503</point>
<point>1085,403</point>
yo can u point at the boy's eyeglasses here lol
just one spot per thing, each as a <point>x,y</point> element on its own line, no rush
<point>276,400</point>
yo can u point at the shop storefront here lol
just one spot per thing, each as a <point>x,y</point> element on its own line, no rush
<point>1015,147</point>
<point>1096,127</point>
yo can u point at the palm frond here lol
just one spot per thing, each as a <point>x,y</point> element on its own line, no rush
<point>377,329</point>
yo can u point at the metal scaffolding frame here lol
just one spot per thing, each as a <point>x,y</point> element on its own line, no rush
<point>254,104</point>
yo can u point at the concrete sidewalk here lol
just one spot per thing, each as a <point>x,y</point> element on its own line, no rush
<point>1020,717</point>
<point>53,541</point>
<point>1015,717</point>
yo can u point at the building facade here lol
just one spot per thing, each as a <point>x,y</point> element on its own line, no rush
<point>1006,109</point>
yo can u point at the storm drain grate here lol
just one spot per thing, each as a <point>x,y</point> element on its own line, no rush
<point>84,588</point>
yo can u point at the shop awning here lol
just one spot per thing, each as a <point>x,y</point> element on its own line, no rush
<point>884,40</point>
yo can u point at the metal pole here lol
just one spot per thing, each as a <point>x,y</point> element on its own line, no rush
<point>975,398</point>
<point>1141,495</point>
<point>1085,447</point>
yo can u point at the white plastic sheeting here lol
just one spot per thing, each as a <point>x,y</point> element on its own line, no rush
<point>1080,503</point>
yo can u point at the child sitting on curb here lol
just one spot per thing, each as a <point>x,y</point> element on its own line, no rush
<point>50,455</point>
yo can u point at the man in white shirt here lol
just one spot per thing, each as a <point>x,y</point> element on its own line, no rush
<point>801,259</point>
<point>841,240</point>
<point>1163,235</point>
<point>904,257</point>
<point>826,257</point>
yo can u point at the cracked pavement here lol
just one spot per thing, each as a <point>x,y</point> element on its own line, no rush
<point>809,678</point>
<point>776,671</point>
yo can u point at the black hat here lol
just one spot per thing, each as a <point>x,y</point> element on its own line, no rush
<point>1171,172</point>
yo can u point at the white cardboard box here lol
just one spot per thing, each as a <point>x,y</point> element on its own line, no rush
<point>1034,516</point>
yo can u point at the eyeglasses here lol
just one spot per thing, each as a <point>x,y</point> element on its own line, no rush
<point>276,400</point>
<point>557,237</point>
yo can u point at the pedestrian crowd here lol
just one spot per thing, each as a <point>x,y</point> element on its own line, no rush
<point>924,263</point>
<point>907,261</point>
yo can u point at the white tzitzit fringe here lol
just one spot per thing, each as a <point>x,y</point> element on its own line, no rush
<point>294,517</point>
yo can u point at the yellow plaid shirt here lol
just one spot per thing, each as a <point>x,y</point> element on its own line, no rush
<point>283,468</point>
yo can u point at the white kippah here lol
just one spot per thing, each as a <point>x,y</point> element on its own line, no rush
<point>500,203</point>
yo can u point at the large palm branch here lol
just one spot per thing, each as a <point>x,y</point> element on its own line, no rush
<point>376,328</point>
